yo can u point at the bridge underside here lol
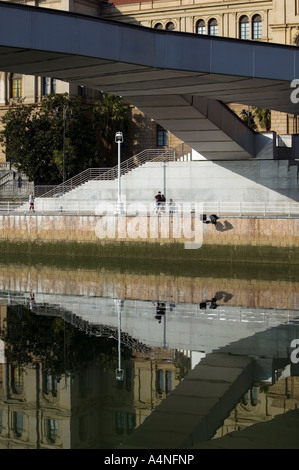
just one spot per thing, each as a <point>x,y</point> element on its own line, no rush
<point>183,81</point>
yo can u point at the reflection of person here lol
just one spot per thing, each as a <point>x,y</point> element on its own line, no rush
<point>160,311</point>
<point>212,302</point>
<point>31,202</point>
<point>32,302</point>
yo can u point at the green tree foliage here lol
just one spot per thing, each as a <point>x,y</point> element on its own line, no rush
<point>261,114</point>
<point>264,117</point>
<point>59,346</point>
<point>248,118</point>
<point>111,115</point>
<point>32,137</point>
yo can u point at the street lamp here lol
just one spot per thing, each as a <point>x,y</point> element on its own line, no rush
<point>119,373</point>
<point>119,140</point>
<point>64,109</point>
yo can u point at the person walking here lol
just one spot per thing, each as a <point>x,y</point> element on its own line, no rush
<point>158,199</point>
<point>160,202</point>
<point>31,203</point>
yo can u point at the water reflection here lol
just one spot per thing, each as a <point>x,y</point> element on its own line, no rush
<point>87,355</point>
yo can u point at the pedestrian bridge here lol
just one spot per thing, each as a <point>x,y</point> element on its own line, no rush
<point>183,81</point>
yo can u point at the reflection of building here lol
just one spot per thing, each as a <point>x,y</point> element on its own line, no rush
<point>262,403</point>
<point>87,409</point>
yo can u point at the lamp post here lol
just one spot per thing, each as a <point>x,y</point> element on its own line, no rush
<point>64,109</point>
<point>118,139</point>
<point>119,373</point>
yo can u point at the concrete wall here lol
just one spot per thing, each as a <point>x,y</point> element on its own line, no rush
<point>201,181</point>
<point>262,232</point>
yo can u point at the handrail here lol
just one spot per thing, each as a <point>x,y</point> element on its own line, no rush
<point>222,209</point>
<point>6,177</point>
<point>72,183</point>
<point>111,173</point>
<point>5,165</point>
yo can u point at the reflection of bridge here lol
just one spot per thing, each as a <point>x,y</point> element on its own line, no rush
<point>230,329</point>
<point>183,81</point>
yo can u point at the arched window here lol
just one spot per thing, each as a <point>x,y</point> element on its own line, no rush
<point>244,27</point>
<point>17,423</point>
<point>201,27</point>
<point>17,380</point>
<point>170,26</point>
<point>213,27</point>
<point>51,428</point>
<point>158,26</point>
<point>256,27</point>
<point>16,85</point>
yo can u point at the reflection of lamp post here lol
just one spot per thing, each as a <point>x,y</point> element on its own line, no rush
<point>64,109</point>
<point>118,139</point>
<point>119,373</point>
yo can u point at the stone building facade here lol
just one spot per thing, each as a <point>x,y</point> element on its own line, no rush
<point>274,21</point>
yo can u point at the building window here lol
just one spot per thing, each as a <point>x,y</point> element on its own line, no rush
<point>160,384</point>
<point>256,27</point>
<point>244,27</point>
<point>51,430</point>
<point>49,85</point>
<point>213,27</point>
<point>168,382</point>
<point>17,423</point>
<point>50,385</point>
<point>120,422</point>
<point>17,380</point>
<point>201,27</point>
<point>131,422</point>
<point>15,85</point>
<point>162,136</point>
<point>170,26</point>
<point>158,26</point>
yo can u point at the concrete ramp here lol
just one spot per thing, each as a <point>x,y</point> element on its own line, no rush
<point>206,125</point>
<point>194,411</point>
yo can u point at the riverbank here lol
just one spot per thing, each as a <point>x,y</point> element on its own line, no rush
<point>244,240</point>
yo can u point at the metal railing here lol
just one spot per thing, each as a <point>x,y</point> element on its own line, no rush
<point>78,180</point>
<point>111,173</point>
<point>173,208</point>
<point>5,165</point>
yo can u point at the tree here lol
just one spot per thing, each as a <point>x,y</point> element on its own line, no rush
<point>264,117</point>
<point>248,118</point>
<point>33,138</point>
<point>111,115</point>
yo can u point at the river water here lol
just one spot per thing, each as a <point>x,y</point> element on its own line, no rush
<point>89,348</point>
